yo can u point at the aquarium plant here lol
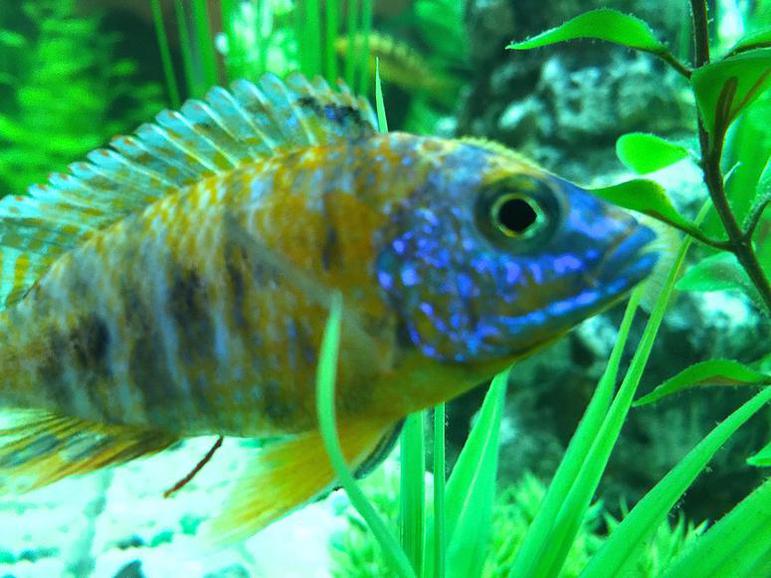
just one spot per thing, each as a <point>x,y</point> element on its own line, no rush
<point>333,39</point>
<point>458,526</point>
<point>453,536</point>
<point>42,127</point>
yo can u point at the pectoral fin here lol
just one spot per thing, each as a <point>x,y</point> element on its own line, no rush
<point>288,474</point>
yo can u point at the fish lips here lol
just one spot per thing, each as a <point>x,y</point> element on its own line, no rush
<point>631,260</point>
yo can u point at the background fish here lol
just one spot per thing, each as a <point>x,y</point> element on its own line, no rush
<point>178,285</point>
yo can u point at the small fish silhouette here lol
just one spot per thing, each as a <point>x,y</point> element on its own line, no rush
<point>178,285</point>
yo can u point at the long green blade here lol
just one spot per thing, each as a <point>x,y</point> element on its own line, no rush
<point>738,545</point>
<point>332,22</point>
<point>363,50</point>
<point>628,537</point>
<point>163,46</point>
<point>537,539</point>
<point>439,492</point>
<point>351,26</point>
<point>579,499</point>
<point>311,44</point>
<point>326,375</point>
<point>471,488</point>
<point>204,43</point>
<point>193,84</point>
<point>413,489</point>
<point>382,122</point>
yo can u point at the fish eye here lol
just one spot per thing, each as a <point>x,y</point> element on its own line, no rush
<point>517,212</point>
<point>516,216</point>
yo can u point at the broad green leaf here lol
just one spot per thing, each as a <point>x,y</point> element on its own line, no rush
<point>711,372</point>
<point>601,24</point>
<point>628,538</point>
<point>763,189</point>
<point>764,181</point>
<point>758,39</point>
<point>748,146</point>
<point>718,272</point>
<point>761,459</point>
<point>751,71</point>
<point>645,197</point>
<point>470,494</point>
<point>646,153</point>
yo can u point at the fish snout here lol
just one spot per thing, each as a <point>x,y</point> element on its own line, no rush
<point>630,258</point>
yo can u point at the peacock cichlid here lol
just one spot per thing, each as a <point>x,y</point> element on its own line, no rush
<point>179,284</point>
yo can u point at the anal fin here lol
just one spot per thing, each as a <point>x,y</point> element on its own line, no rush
<point>288,474</point>
<point>39,448</point>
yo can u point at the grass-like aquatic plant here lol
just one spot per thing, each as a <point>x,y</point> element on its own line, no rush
<point>459,528</point>
<point>449,532</point>
<point>63,92</point>
<point>738,545</point>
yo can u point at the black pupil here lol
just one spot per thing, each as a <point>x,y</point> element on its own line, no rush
<point>516,215</point>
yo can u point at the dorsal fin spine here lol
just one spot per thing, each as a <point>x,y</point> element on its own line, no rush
<point>134,153</point>
<point>196,145</point>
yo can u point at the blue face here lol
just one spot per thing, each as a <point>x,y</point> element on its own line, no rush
<point>490,258</point>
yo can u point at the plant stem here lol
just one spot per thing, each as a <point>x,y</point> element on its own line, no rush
<point>740,245</point>
<point>702,238</point>
<point>679,67</point>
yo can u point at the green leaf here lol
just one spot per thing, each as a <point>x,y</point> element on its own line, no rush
<point>748,145</point>
<point>758,39</point>
<point>761,459</point>
<point>750,72</point>
<point>646,153</point>
<point>762,190</point>
<point>711,372</point>
<point>718,272</point>
<point>626,540</point>
<point>645,197</point>
<point>601,24</point>
<point>738,545</point>
<point>470,494</point>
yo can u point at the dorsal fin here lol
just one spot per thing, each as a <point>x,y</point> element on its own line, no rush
<point>215,135</point>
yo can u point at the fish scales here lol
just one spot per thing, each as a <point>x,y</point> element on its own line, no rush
<point>243,327</point>
<point>191,296</point>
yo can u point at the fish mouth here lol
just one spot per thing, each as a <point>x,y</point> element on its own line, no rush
<point>630,260</point>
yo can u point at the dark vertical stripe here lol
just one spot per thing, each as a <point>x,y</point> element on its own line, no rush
<point>147,365</point>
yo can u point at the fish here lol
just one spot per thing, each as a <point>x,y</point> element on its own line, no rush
<point>177,284</point>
